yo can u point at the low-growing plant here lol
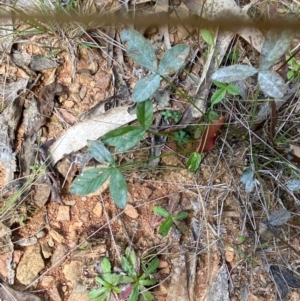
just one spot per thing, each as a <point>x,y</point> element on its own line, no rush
<point>294,68</point>
<point>124,138</point>
<point>130,284</point>
<point>170,220</point>
<point>181,137</point>
<point>176,116</point>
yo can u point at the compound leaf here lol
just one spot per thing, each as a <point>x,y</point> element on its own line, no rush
<point>124,138</point>
<point>144,112</point>
<point>233,73</point>
<point>275,45</point>
<point>100,152</point>
<point>139,48</point>
<point>173,59</point>
<point>90,180</point>
<point>145,87</point>
<point>118,188</point>
<point>272,84</point>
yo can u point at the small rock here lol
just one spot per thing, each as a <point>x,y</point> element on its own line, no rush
<point>70,202</point>
<point>76,98</point>
<point>74,88</point>
<point>40,234</point>
<point>63,213</point>
<point>82,92</point>
<point>131,211</point>
<point>30,265</point>
<point>54,294</point>
<point>59,253</point>
<point>229,254</point>
<point>56,236</point>
<point>98,211</point>
<point>84,216</point>
<point>68,104</point>
<point>80,292</point>
<point>47,281</point>
<point>46,250</point>
<point>72,271</point>
<point>163,264</point>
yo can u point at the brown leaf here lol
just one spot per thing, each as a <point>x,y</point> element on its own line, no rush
<point>210,134</point>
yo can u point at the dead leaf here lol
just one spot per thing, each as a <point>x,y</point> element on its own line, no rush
<point>7,293</point>
<point>210,134</point>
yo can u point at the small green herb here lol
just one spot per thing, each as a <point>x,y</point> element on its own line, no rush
<point>181,137</point>
<point>170,219</point>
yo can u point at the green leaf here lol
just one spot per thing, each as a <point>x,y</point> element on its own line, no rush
<point>218,96</point>
<point>127,279</point>
<point>233,73</point>
<point>147,282</point>
<point>124,138</point>
<point>180,216</point>
<point>113,279</point>
<point>173,59</point>
<point>290,74</point>
<point>139,48</point>
<point>126,266</point>
<point>147,296</point>
<point>212,115</point>
<point>93,294</point>
<point>90,180</point>
<point>105,266</point>
<point>145,87</point>
<point>161,211</point>
<point>220,85</point>
<point>194,161</point>
<point>134,294</point>
<point>272,84</point>
<point>233,90</point>
<point>118,188</point>
<point>181,226</point>
<point>152,267</point>
<point>165,226</point>
<point>275,45</point>
<point>130,255</point>
<point>100,152</point>
<point>144,112</point>
<point>207,36</point>
<point>100,280</point>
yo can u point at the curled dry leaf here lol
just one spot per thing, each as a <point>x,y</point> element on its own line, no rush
<point>210,134</point>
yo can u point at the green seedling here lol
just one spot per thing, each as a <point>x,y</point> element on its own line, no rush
<point>294,68</point>
<point>176,116</point>
<point>109,283</point>
<point>170,219</point>
<point>219,95</point>
<point>270,82</point>
<point>138,281</point>
<point>181,137</point>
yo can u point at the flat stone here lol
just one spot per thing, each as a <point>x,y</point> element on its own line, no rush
<point>47,281</point>
<point>46,250</point>
<point>59,253</point>
<point>30,265</point>
<point>131,211</point>
<point>72,271</point>
<point>56,236</point>
<point>98,210</point>
<point>79,293</point>
<point>63,213</point>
